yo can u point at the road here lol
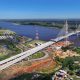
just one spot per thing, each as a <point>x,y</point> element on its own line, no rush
<point>12,60</point>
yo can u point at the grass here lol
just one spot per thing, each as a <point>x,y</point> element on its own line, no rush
<point>75,77</point>
<point>1,75</point>
<point>2,57</point>
<point>37,55</point>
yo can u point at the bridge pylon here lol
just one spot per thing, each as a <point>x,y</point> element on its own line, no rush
<point>77,30</point>
<point>66,31</point>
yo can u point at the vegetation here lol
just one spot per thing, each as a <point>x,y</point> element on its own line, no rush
<point>68,62</point>
<point>37,55</point>
<point>8,32</point>
<point>46,24</point>
<point>58,24</point>
<point>65,48</point>
<point>13,47</point>
<point>10,48</point>
<point>70,47</point>
<point>74,78</point>
<point>4,57</point>
<point>33,76</point>
<point>77,50</point>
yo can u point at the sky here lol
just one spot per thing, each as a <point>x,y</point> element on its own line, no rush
<point>39,9</point>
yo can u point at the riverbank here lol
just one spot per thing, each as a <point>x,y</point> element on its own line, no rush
<point>44,24</point>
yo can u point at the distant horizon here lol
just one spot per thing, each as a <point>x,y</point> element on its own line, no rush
<point>43,19</point>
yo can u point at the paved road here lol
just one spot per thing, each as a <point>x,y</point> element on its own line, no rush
<point>12,60</point>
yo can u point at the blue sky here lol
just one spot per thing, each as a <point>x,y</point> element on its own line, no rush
<point>35,9</point>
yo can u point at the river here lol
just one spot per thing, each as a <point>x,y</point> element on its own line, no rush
<point>45,33</point>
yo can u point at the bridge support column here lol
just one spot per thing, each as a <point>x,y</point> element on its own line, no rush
<point>66,26</point>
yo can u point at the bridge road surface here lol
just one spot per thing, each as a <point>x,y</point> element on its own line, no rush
<point>30,52</point>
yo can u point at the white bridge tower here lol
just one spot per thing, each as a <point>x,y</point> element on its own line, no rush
<point>66,31</point>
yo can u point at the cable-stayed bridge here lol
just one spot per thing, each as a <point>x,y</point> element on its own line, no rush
<point>14,59</point>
